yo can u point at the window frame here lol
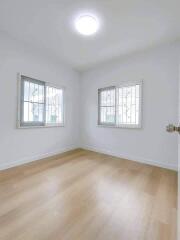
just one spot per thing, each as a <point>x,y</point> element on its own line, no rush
<point>121,85</point>
<point>20,108</point>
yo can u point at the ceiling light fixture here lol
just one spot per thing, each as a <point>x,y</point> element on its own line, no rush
<point>87,24</point>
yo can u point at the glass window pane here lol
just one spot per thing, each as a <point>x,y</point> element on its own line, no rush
<point>34,92</point>
<point>107,115</point>
<point>32,105</point>
<point>33,108</point>
<point>26,91</point>
<point>41,112</point>
<point>107,105</point>
<point>41,94</point>
<point>107,97</point>
<point>33,112</point>
<point>54,105</point>
<point>31,91</point>
<point>128,105</point>
<point>26,112</point>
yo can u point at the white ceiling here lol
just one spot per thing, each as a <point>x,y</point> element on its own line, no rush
<point>126,26</point>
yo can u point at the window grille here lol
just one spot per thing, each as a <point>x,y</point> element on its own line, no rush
<point>120,106</point>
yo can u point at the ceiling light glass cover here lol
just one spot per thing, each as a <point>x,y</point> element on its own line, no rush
<point>87,24</point>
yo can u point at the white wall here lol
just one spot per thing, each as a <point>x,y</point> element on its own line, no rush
<point>178,224</point>
<point>159,70</point>
<point>19,145</point>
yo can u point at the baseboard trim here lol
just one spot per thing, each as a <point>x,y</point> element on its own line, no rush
<point>5,166</point>
<point>131,158</point>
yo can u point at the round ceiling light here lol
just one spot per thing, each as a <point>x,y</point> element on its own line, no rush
<point>87,24</point>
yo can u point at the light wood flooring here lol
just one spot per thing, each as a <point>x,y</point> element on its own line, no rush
<point>82,195</point>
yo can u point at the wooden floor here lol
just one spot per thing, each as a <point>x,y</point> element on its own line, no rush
<point>84,195</point>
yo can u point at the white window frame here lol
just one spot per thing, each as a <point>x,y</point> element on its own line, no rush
<point>19,107</point>
<point>122,84</point>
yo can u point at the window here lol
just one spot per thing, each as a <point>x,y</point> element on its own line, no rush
<point>54,105</point>
<point>120,106</point>
<point>107,105</point>
<point>40,104</point>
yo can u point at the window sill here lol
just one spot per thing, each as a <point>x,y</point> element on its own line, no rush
<point>138,127</point>
<point>47,126</point>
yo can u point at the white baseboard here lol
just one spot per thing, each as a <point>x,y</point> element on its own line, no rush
<point>4,166</point>
<point>132,158</point>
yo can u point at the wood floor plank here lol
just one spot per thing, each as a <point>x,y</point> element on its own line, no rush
<point>83,195</point>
